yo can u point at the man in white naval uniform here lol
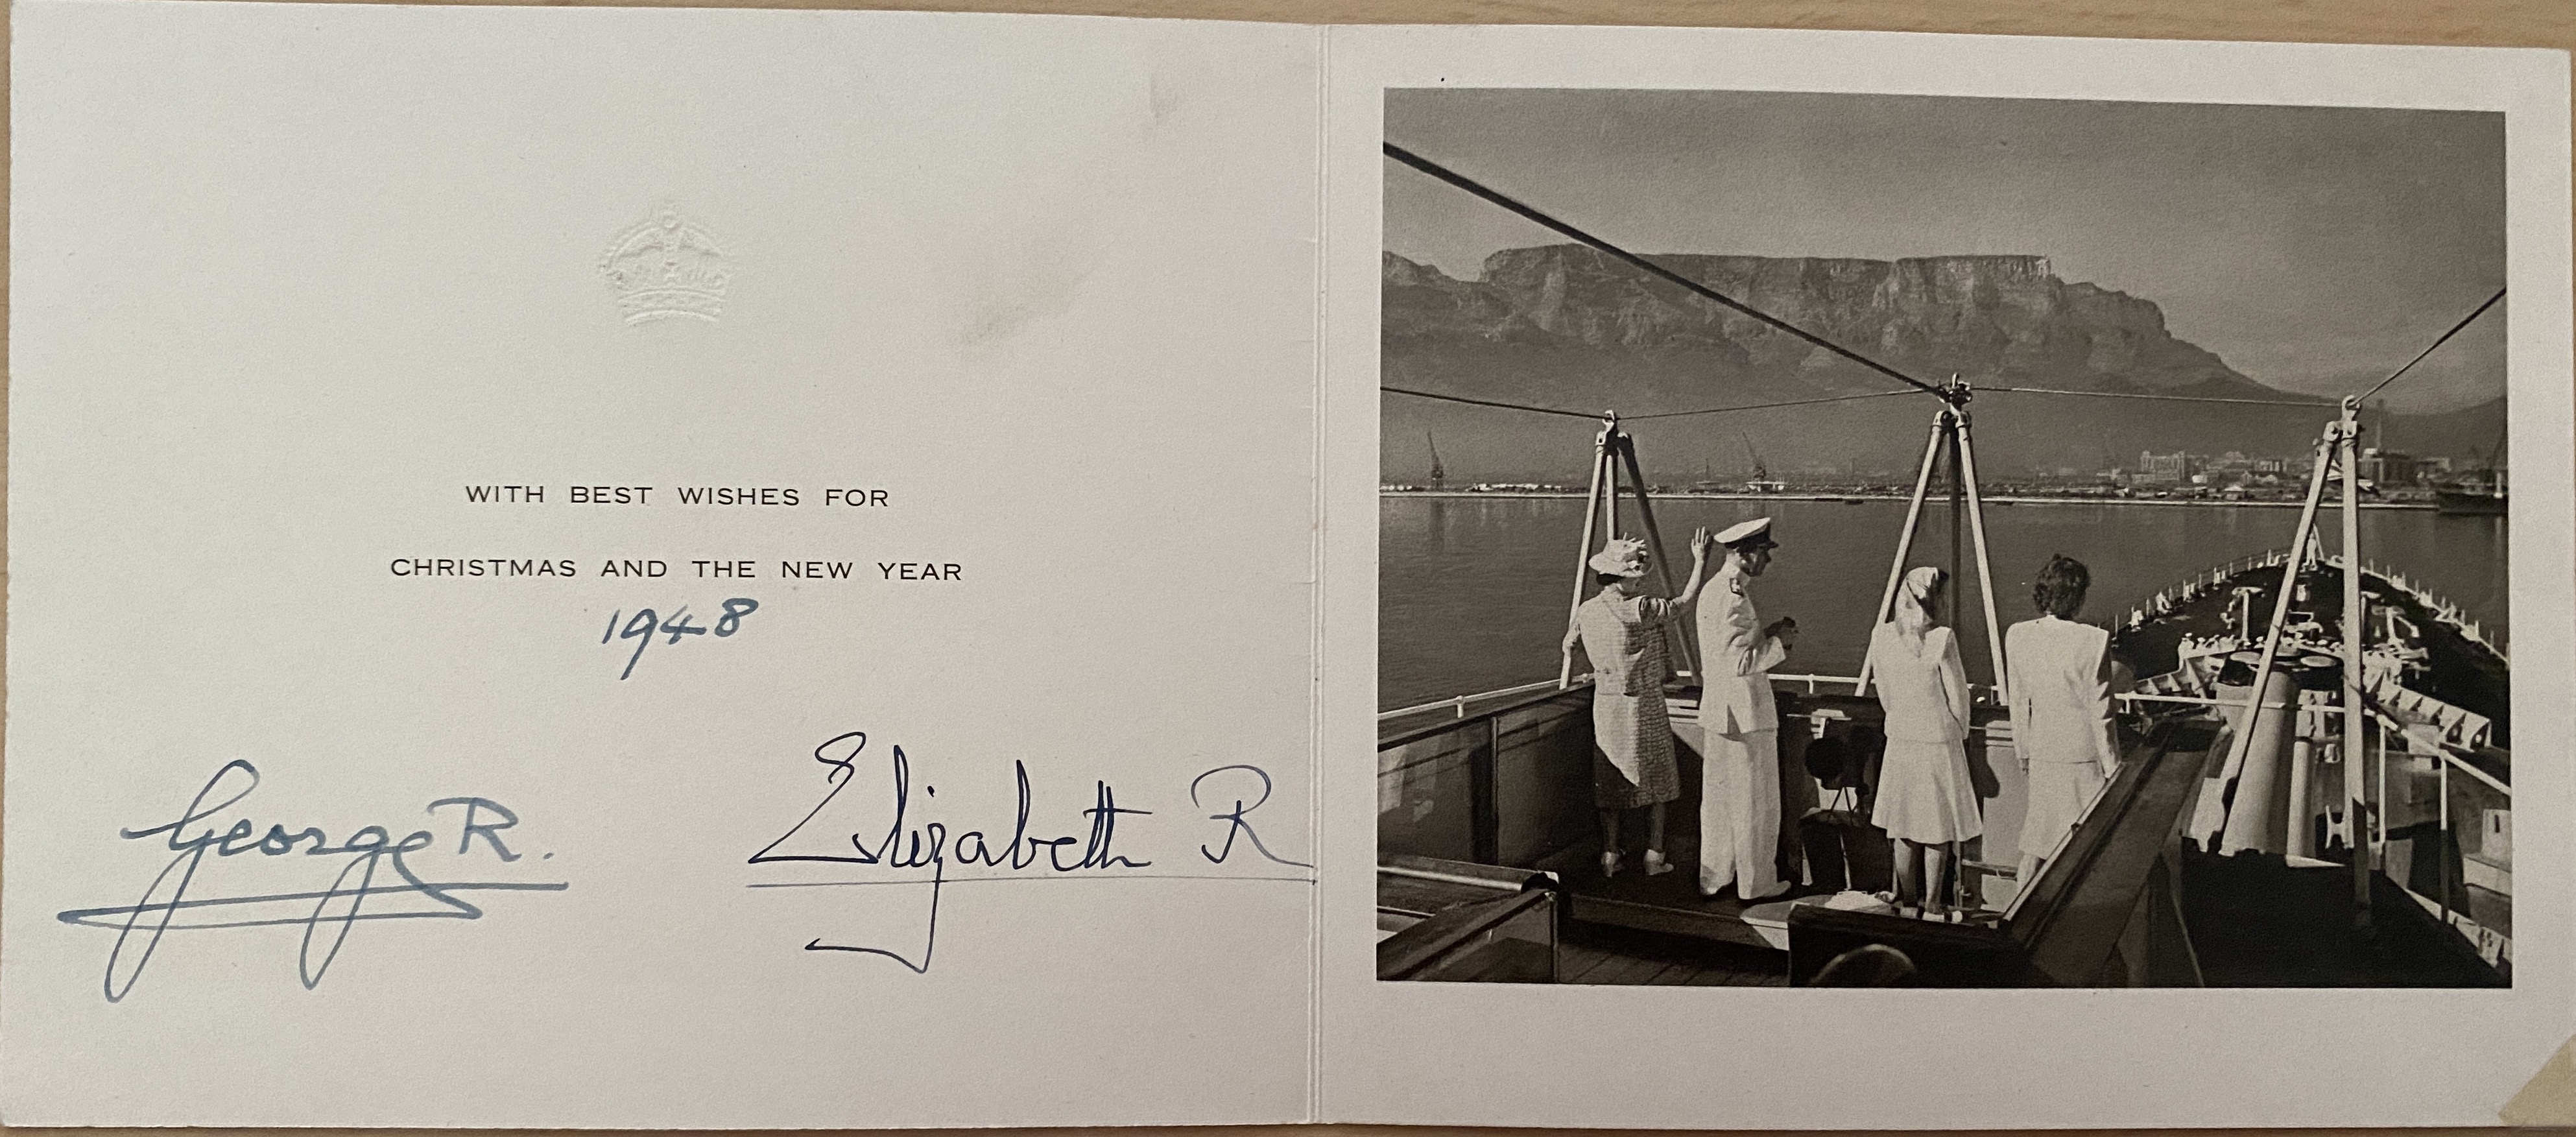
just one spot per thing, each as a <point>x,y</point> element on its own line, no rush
<point>1739,801</point>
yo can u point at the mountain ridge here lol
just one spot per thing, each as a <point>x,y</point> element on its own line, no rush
<point>1988,317</point>
<point>1570,328</point>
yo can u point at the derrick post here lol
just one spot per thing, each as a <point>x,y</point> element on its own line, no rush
<point>1583,548</point>
<point>1905,538</point>
<point>2355,621</point>
<point>1985,564</point>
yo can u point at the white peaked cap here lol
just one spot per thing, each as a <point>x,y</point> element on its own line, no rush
<point>1738,534</point>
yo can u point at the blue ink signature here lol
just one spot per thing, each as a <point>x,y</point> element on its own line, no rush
<point>929,844</point>
<point>1235,825</point>
<point>371,851</point>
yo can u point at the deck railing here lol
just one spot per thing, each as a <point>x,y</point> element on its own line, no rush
<point>1980,693</point>
<point>1480,788</point>
<point>1459,703</point>
<point>2448,877</point>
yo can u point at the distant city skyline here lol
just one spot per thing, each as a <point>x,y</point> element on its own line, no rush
<point>2315,249</point>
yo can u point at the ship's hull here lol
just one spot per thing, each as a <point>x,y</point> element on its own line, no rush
<point>2470,503</point>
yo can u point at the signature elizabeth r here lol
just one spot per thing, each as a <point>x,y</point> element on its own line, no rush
<point>370,878</point>
<point>911,839</point>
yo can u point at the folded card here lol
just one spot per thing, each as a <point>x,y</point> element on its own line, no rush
<point>683,568</point>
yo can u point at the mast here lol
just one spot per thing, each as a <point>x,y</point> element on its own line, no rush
<point>2348,431</point>
<point>1950,442</point>
<point>1438,475</point>
<point>1611,450</point>
<point>1958,518</point>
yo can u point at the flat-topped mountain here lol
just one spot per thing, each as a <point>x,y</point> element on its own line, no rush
<point>1994,319</point>
<point>1567,326</point>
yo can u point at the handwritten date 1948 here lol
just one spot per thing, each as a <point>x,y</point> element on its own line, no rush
<point>646,624</point>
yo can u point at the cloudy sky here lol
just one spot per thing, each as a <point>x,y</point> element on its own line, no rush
<point>2314,249</point>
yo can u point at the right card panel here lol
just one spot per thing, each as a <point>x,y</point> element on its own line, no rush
<point>2018,530</point>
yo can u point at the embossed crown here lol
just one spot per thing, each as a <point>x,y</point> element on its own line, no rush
<point>666,266</point>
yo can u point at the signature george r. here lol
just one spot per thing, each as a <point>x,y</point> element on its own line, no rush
<point>918,845</point>
<point>372,871</point>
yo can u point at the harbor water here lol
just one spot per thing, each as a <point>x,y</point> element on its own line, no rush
<point>1473,591</point>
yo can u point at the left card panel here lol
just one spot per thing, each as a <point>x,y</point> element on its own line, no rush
<point>658,568</point>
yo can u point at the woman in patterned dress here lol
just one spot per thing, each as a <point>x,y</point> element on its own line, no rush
<point>1622,631</point>
<point>1926,801</point>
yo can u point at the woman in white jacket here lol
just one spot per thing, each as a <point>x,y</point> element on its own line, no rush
<point>2060,687</point>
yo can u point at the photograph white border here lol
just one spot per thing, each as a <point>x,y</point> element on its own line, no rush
<point>1753,1058</point>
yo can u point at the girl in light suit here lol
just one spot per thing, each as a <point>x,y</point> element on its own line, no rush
<point>2060,679</point>
<point>1926,800</point>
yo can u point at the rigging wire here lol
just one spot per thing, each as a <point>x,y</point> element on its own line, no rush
<point>1490,403</point>
<point>2310,404</point>
<point>1531,213</point>
<point>2465,321</point>
<point>1479,189</point>
<point>1766,406</point>
<point>1638,418</point>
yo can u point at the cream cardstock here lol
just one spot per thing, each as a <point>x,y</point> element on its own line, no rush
<point>678,568</point>
<point>294,284</point>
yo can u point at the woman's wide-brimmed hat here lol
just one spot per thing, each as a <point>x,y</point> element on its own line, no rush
<point>1624,556</point>
<point>1921,580</point>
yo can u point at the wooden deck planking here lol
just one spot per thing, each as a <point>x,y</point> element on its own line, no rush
<point>1626,971</point>
<point>1663,975</point>
<point>1574,962</point>
<point>1610,956</point>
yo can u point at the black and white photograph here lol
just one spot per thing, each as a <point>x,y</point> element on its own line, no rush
<point>1835,539</point>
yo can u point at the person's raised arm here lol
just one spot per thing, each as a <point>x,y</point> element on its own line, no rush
<point>1700,542</point>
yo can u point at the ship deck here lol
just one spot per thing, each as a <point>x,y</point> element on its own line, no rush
<point>1500,799</point>
<point>1616,956</point>
<point>2465,673</point>
<point>1587,950</point>
<point>1632,928</point>
<point>1671,903</point>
